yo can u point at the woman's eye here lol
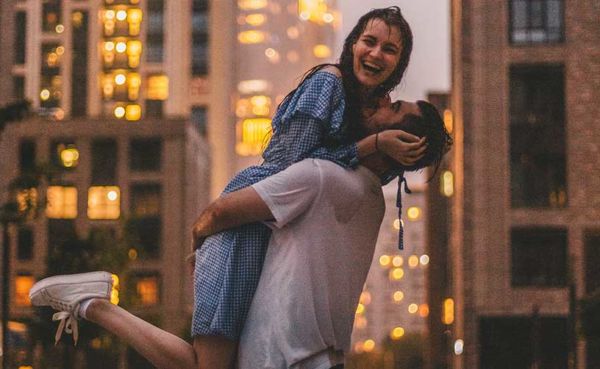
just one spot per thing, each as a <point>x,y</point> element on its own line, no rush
<point>368,41</point>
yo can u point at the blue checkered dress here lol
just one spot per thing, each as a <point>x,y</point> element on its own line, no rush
<point>228,265</point>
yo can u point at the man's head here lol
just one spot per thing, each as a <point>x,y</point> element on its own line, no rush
<point>423,120</point>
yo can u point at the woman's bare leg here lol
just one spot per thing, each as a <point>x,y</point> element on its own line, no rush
<point>163,349</point>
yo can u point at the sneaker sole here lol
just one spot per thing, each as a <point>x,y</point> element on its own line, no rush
<point>69,279</point>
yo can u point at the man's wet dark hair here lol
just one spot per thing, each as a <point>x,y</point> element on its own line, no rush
<point>431,125</point>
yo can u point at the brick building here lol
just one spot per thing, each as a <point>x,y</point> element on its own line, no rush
<point>524,222</point>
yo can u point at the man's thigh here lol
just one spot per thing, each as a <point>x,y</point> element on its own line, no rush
<point>213,352</point>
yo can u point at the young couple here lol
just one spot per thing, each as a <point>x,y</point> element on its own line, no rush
<point>282,255</point>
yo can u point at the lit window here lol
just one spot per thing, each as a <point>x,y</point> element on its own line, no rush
<point>413,308</point>
<point>384,260</point>
<point>252,37</point>
<point>23,284</point>
<point>360,309</point>
<point>447,183</point>
<point>313,10</point>
<point>369,345</point>
<point>396,274</point>
<point>69,157</point>
<point>255,19</point>
<point>27,199</point>
<point>360,322</point>
<point>158,87</point>
<point>114,293</point>
<point>62,202</point>
<point>253,86</point>
<point>365,298</point>
<point>133,112</point>
<point>252,135</point>
<point>448,316</point>
<point>397,261</point>
<point>397,333</point>
<point>413,213</point>
<point>448,120</point>
<point>322,51</point>
<point>413,261</point>
<point>147,290</point>
<point>424,310</point>
<point>398,296</point>
<point>252,4</point>
<point>104,202</point>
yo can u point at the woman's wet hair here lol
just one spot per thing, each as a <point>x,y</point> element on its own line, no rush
<point>431,125</point>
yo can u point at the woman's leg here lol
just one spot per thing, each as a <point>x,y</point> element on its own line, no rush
<point>163,349</point>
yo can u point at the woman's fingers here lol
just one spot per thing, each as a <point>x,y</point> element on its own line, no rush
<point>407,137</point>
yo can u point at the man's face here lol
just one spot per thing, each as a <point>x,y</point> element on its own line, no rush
<point>389,113</point>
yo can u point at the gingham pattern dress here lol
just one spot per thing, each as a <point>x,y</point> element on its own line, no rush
<point>228,265</point>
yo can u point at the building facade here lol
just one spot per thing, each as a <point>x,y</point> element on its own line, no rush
<point>147,108</point>
<point>393,303</point>
<point>524,211</point>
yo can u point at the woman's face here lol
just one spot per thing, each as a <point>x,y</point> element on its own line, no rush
<point>376,53</point>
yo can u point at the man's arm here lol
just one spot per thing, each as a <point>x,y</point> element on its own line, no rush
<point>230,211</point>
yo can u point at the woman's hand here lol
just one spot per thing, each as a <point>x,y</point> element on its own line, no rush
<point>401,146</point>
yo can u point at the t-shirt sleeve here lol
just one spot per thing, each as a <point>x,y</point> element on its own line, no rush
<point>289,193</point>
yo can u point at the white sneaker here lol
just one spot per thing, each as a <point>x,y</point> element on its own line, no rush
<point>65,292</point>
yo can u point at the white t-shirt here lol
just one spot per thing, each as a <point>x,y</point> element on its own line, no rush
<point>326,223</point>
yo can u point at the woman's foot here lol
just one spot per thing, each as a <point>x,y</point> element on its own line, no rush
<point>65,293</point>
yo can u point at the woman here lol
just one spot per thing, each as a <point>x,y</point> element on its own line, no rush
<point>321,118</point>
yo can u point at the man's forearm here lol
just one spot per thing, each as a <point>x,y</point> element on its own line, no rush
<point>230,211</point>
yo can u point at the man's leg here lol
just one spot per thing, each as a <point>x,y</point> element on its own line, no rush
<point>163,349</point>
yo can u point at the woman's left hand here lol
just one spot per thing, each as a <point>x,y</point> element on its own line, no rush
<point>401,146</point>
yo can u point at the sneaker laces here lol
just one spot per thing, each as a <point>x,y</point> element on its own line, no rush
<point>68,323</point>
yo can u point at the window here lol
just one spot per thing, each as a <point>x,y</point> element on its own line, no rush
<point>79,83</point>
<point>104,162</point>
<point>523,342</point>
<point>62,202</point>
<point>64,154</point>
<point>145,154</point>
<point>50,94</point>
<point>154,37</point>
<point>51,21</point>
<point>20,24</point>
<point>23,284</point>
<point>60,231</point>
<point>537,136</point>
<point>539,257</point>
<point>154,109</point>
<point>25,243</point>
<point>592,261</point>
<point>199,119</point>
<point>27,156</point>
<point>146,221</point>
<point>147,289</point>
<point>536,21</point>
<point>19,87</point>
<point>200,37</point>
<point>104,202</point>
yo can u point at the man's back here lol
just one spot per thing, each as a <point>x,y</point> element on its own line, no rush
<point>327,221</point>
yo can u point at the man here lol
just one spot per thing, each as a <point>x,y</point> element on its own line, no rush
<point>326,221</point>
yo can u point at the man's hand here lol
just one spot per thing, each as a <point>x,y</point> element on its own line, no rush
<point>401,146</point>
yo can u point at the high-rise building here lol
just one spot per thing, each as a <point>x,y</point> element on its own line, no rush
<point>524,216</point>
<point>148,107</point>
<point>393,303</point>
